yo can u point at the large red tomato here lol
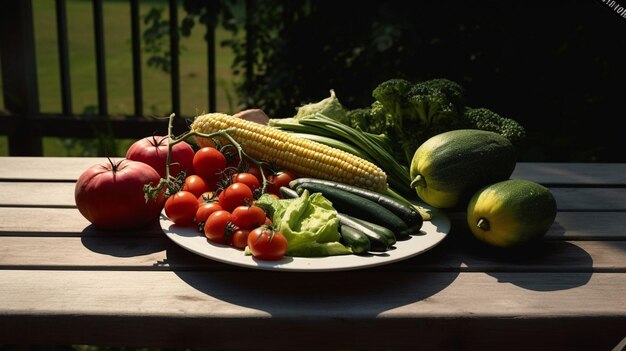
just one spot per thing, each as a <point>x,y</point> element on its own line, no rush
<point>110,195</point>
<point>153,151</point>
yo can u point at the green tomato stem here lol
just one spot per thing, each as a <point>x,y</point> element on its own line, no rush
<point>223,133</point>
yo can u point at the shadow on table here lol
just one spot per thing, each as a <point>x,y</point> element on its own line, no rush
<point>363,292</point>
<point>569,265</point>
<point>123,244</point>
<point>573,264</point>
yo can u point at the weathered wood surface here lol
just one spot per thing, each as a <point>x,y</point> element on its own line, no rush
<point>46,194</point>
<point>70,168</point>
<point>21,221</point>
<point>400,311</point>
<point>64,282</point>
<point>145,253</point>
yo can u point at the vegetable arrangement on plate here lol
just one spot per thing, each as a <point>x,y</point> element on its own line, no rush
<point>327,181</point>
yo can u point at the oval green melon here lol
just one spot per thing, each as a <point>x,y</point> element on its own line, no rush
<point>511,212</point>
<point>449,167</point>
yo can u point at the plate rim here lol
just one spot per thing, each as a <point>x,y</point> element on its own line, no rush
<point>180,235</point>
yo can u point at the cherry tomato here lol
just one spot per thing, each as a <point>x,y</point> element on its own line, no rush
<point>181,207</point>
<point>206,196</point>
<point>208,163</point>
<point>240,238</point>
<point>255,171</point>
<point>248,217</point>
<point>195,185</point>
<point>266,243</point>
<point>248,179</point>
<point>205,210</point>
<point>110,195</point>
<point>236,194</point>
<point>153,151</point>
<point>216,227</point>
<point>275,181</point>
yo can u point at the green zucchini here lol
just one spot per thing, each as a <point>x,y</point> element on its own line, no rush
<point>391,237</point>
<point>357,206</point>
<point>378,241</point>
<point>288,193</point>
<point>406,212</point>
<point>355,239</point>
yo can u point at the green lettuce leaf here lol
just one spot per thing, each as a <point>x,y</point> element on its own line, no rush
<point>309,223</point>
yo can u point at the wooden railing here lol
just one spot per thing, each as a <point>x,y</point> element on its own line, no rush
<point>22,121</point>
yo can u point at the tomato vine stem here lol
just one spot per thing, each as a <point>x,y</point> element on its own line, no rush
<point>170,182</point>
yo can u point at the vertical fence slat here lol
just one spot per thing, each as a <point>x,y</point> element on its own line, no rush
<point>175,65</point>
<point>19,75</point>
<point>64,57</point>
<point>98,24</point>
<point>250,10</point>
<point>211,62</point>
<point>136,50</point>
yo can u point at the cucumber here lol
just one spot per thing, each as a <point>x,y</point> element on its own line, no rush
<point>378,242</point>
<point>391,237</point>
<point>355,239</point>
<point>447,169</point>
<point>357,206</point>
<point>408,213</point>
<point>288,193</point>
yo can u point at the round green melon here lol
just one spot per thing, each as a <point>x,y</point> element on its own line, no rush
<point>449,167</point>
<point>511,213</point>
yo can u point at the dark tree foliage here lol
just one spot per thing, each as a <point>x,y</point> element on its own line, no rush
<point>557,67</point>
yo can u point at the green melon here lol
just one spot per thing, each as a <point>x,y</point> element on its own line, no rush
<point>511,213</point>
<point>449,167</point>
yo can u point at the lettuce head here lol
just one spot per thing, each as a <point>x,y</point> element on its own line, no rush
<point>309,223</point>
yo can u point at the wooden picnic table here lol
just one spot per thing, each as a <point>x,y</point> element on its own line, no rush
<point>63,283</point>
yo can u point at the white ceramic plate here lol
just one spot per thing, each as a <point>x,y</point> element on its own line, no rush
<point>432,233</point>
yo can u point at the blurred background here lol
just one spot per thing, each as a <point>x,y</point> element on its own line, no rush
<point>556,67</point>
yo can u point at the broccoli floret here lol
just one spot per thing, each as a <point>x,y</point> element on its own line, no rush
<point>368,119</point>
<point>424,102</point>
<point>393,95</point>
<point>431,105</point>
<point>415,112</point>
<point>453,90</point>
<point>485,119</point>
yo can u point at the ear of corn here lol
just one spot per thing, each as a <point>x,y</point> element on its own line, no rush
<point>305,157</point>
<point>374,147</point>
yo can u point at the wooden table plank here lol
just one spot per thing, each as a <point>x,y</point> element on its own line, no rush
<point>46,168</point>
<point>69,222</point>
<point>200,309</point>
<point>36,221</point>
<point>43,194</point>
<point>101,253</point>
<point>561,173</point>
<point>69,168</point>
<point>39,194</point>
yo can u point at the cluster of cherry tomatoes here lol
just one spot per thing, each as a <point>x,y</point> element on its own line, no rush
<point>220,202</point>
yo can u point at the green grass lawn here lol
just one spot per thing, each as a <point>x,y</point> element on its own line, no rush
<point>156,84</point>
